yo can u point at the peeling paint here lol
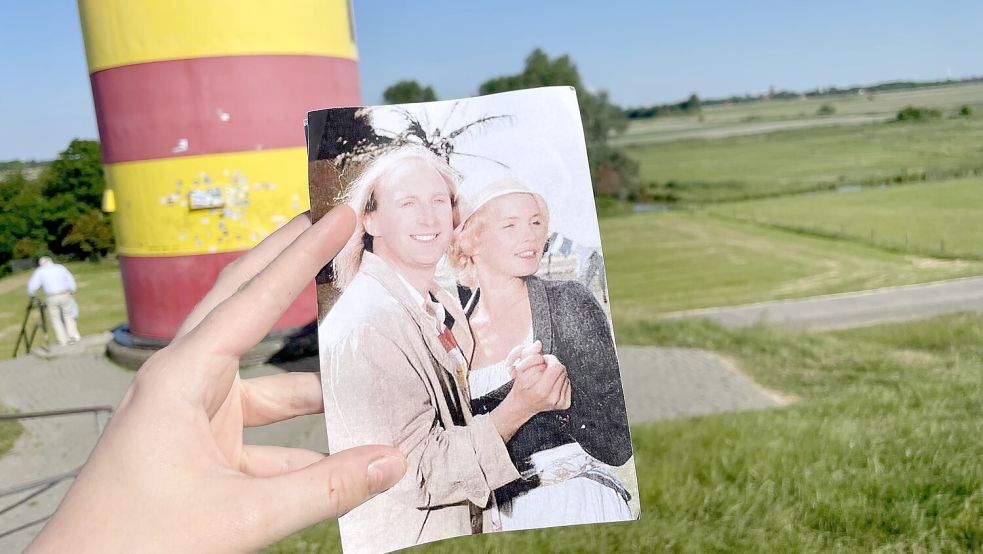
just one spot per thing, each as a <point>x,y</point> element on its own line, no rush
<point>240,210</point>
<point>181,146</point>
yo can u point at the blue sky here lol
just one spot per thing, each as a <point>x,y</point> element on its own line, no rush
<point>641,52</point>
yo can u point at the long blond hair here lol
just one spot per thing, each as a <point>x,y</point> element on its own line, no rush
<point>360,195</point>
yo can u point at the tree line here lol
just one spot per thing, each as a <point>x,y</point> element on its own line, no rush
<point>693,104</point>
<point>55,211</point>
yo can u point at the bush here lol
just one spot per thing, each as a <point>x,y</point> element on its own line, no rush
<point>610,207</point>
<point>966,110</point>
<point>913,113</point>
<point>27,247</point>
<point>91,235</point>
<point>826,109</point>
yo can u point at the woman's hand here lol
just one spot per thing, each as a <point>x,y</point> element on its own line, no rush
<point>171,474</point>
<point>540,385</point>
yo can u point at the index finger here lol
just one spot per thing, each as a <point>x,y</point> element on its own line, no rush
<point>242,320</point>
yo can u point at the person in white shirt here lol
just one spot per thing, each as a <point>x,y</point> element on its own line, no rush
<point>59,288</point>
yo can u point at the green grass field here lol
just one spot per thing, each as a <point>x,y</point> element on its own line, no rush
<point>937,218</point>
<point>722,119</point>
<point>881,452</point>
<point>9,431</point>
<point>782,162</point>
<point>663,262</point>
<point>100,299</point>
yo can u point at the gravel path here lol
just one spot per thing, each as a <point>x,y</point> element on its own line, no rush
<point>661,383</point>
<point>853,309</point>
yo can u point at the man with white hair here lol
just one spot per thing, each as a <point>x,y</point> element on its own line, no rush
<point>59,288</point>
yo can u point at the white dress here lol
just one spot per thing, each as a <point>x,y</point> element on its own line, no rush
<point>570,490</point>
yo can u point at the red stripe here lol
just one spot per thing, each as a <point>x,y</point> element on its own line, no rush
<point>161,292</point>
<point>215,105</point>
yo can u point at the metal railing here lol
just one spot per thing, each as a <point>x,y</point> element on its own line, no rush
<point>39,486</point>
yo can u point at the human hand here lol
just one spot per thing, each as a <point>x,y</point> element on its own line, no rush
<point>170,472</point>
<point>541,383</point>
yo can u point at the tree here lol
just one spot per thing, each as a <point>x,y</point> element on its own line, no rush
<point>58,211</point>
<point>78,172</point>
<point>73,187</point>
<point>21,235</point>
<point>91,235</point>
<point>692,104</point>
<point>407,91</point>
<point>600,118</point>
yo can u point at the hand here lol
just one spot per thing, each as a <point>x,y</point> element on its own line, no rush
<point>170,472</point>
<point>540,385</point>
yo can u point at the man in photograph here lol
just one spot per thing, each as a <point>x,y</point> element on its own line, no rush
<point>395,351</point>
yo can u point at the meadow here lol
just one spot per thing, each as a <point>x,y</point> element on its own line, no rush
<point>880,453</point>
<point>744,118</point>
<point>100,299</point>
<point>784,162</point>
<point>940,219</point>
<point>664,262</point>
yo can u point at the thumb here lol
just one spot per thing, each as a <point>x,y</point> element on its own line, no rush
<point>326,489</point>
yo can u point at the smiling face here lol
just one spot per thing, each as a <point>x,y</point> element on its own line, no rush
<point>511,243</point>
<point>413,219</point>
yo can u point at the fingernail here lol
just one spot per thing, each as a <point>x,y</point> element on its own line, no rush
<point>385,472</point>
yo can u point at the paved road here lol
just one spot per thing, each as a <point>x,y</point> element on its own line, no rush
<point>661,383</point>
<point>854,309</point>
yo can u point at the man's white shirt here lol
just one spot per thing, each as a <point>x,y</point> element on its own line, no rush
<point>52,278</point>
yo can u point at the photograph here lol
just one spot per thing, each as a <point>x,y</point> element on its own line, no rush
<point>466,321</point>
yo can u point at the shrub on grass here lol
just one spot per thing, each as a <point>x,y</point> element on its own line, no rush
<point>914,113</point>
<point>966,110</point>
<point>826,109</point>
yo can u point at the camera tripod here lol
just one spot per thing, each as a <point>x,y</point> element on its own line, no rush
<point>27,332</point>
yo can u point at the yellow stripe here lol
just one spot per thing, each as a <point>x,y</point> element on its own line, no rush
<point>123,32</point>
<point>155,215</point>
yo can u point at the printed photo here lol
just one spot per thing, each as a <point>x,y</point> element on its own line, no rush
<point>467,319</point>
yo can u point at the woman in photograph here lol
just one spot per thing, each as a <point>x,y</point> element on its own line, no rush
<point>565,457</point>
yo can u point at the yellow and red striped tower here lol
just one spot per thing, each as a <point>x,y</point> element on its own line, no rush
<point>200,106</point>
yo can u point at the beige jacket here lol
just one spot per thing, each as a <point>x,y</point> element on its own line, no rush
<point>388,380</point>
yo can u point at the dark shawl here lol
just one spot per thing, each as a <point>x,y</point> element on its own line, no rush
<point>572,326</point>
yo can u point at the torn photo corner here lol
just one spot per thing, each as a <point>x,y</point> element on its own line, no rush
<point>467,320</point>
